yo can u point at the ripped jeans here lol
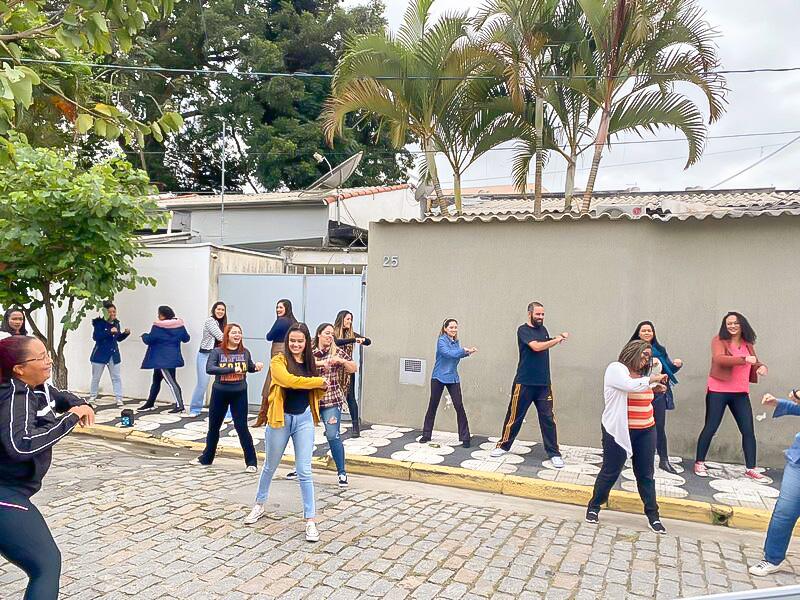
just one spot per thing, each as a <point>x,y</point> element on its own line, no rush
<point>331,418</point>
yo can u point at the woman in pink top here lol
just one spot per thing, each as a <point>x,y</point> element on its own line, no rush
<point>734,366</point>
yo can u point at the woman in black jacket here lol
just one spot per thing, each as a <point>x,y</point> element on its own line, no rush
<point>344,338</point>
<point>29,426</point>
<point>230,363</point>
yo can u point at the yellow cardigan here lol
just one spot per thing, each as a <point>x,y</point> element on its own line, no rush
<point>281,379</point>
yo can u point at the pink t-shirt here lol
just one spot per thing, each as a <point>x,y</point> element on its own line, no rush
<point>740,375</point>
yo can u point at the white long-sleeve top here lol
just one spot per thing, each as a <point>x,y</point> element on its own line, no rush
<point>211,334</point>
<point>617,383</point>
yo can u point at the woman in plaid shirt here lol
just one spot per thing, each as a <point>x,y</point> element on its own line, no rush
<point>334,364</point>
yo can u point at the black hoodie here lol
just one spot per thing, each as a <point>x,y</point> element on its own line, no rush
<point>29,427</point>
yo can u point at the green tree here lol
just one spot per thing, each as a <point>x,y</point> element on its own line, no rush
<point>641,50</point>
<point>272,122</point>
<point>40,44</point>
<point>68,237</point>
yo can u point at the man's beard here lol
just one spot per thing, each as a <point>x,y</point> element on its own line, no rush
<point>537,322</point>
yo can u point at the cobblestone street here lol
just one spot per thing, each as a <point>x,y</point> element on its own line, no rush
<point>136,522</point>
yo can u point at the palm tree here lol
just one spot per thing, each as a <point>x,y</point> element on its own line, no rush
<point>641,49</point>
<point>414,82</point>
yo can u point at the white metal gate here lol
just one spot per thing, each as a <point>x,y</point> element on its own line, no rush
<point>316,299</point>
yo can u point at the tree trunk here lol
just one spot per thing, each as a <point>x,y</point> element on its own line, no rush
<point>457,191</point>
<point>600,141</point>
<point>569,186</point>
<point>539,127</point>
<point>59,374</point>
<point>430,158</point>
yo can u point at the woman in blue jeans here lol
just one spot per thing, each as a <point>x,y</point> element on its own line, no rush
<point>787,509</point>
<point>213,329</point>
<point>107,333</point>
<point>292,412</point>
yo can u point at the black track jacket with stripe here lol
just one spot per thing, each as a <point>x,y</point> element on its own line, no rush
<point>29,427</point>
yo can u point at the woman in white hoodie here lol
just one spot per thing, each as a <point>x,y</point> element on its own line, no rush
<point>629,429</point>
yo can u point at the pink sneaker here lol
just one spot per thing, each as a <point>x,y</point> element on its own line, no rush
<point>756,477</point>
<point>700,469</point>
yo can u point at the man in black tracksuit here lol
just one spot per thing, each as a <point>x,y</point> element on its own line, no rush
<point>532,385</point>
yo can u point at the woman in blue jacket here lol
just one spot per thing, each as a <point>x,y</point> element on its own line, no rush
<point>445,374</point>
<point>164,356</point>
<point>106,335</point>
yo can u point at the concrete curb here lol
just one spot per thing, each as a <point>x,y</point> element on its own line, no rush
<point>509,485</point>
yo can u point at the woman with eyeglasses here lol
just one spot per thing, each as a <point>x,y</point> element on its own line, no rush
<point>35,416</point>
<point>734,366</point>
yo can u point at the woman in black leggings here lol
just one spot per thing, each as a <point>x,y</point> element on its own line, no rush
<point>734,366</point>
<point>29,426</point>
<point>344,338</point>
<point>230,363</point>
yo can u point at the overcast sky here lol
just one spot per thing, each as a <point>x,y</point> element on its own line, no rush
<point>761,102</point>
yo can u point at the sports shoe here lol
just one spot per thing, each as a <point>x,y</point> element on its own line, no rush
<point>700,469</point>
<point>497,452</point>
<point>251,469</point>
<point>255,514</point>
<point>197,462</point>
<point>192,415</point>
<point>657,527</point>
<point>424,440</point>
<point>592,516</point>
<point>120,403</point>
<point>764,568</point>
<point>291,475</point>
<point>312,533</point>
<point>756,477</point>
<point>175,410</point>
<point>557,462</point>
<point>667,467</point>
<point>466,444</point>
<point>146,407</point>
<point>227,420</point>
<point>343,480</point>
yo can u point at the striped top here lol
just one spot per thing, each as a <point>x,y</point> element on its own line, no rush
<point>640,410</point>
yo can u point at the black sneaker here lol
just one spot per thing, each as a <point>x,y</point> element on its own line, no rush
<point>665,465</point>
<point>342,479</point>
<point>465,444</point>
<point>424,440</point>
<point>146,407</point>
<point>175,410</point>
<point>592,516</point>
<point>291,475</point>
<point>657,527</point>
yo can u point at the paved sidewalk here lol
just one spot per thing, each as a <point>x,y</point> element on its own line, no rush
<point>140,522</point>
<point>726,486</point>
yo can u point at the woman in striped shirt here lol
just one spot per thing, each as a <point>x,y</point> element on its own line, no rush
<point>212,337</point>
<point>629,429</point>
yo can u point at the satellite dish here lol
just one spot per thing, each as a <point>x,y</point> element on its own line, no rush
<point>424,189</point>
<point>337,175</point>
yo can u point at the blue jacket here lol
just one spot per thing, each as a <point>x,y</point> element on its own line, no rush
<point>279,329</point>
<point>164,344</point>
<point>787,407</point>
<point>106,346</point>
<point>448,353</point>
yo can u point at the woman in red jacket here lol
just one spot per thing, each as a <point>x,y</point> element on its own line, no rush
<point>734,366</point>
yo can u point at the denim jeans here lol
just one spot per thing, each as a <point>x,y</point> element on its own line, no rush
<point>784,516</point>
<point>203,378</point>
<point>331,418</point>
<point>301,429</point>
<point>114,372</point>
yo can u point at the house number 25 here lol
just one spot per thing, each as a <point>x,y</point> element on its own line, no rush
<point>391,261</point>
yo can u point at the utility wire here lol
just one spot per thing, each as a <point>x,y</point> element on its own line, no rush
<point>302,75</point>
<point>758,162</point>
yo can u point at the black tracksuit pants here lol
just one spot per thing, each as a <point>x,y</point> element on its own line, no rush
<point>26,541</point>
<point>643,442</point>
<point>221,400</point>
<point>522,396</point>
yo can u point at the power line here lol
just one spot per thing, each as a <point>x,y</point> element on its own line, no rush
<point>303,75</point>
<point>758,162</point>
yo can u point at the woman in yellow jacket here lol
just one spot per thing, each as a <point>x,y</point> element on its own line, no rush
<point>292,412</point>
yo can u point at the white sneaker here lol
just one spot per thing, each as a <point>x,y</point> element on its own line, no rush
<point>312,533</point>
<point>251,469</point>
<point>255,514</point>
<point>227,420</point>
<point>557,462</point>
<point>120,403</point>
<point>764,568</point>
<point>497,452</point>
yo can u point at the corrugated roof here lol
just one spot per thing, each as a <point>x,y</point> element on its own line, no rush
<point>273,198</point>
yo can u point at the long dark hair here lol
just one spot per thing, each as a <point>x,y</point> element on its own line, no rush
<point>748,333</point>
<point>308,354</point>
<point>166,312</point>
<point>287,304</point>
<point>338,325</point>
<point>655,343</point>
<point>224,320</point>
<point>13,351</point>
<point>321,327</point>
<point>447,322</point>
<point>5,326</point>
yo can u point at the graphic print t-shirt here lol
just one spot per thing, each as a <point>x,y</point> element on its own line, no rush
<point>237,361</point>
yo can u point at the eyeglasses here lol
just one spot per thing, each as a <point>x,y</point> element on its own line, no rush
<point>43,357</point>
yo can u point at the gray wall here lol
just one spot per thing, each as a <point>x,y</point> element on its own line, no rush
<point>597,279</point>
<point>258,225</point>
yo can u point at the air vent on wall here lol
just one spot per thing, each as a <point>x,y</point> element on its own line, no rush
<point>412,371</point>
